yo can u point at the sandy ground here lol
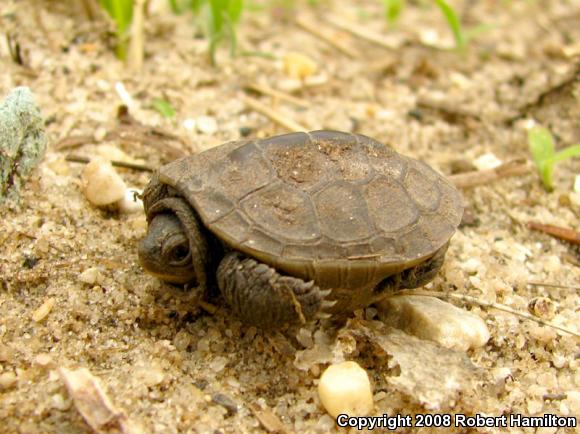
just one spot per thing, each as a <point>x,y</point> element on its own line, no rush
<point>174,367</point>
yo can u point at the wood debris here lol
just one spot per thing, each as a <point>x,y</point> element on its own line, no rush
<point>361,32</point>
<point>482,177</point>
<point>564,234</point>
<point>274,115</point>
<point>325,36</point>
<point>93,404</point>
<point>277,94</point>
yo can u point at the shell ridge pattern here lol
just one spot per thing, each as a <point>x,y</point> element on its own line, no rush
<point>321,199</point>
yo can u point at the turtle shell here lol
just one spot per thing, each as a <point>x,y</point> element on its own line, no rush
<point>341,209</point>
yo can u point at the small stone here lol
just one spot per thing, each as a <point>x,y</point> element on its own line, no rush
<point>432,319</point>
<point>345,388</point>
<point>131,202</point>
<point>487,161</point>
<point>42,312</point>
<point>299,66</point>
<point>90,276</point>
<point>7,380</point>
<point>472,265</point>
<point>44,360</point>
<point>304,336</point>
<point>542,307</point>
<point>150,376</point>
<point>226,402</point>
<point>101,184</point>
<point>189,124</point>
<point>206,125</point>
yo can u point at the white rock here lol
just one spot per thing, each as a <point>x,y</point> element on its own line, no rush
<point>101,184</point>
<point>206,125</point>
<point>345,388</point>
<point>487,161</point>
<point>472,265</point>
<point>577,184</point>
<point>90,276</point>
<point>130,202</point>
<point>189,124</point>
<point>434,320</point>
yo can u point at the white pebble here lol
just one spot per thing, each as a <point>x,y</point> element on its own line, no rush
<point>472,265</point>
<point>487,161</point>
<point>206,125</point>
<point>345,388</point>
<point>130,202</point>
<point>90,276</point>
<point>101,184</point>
<point>189,124</point>
<point>434,320</point>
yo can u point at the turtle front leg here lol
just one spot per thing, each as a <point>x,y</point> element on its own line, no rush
<point>260,296</point>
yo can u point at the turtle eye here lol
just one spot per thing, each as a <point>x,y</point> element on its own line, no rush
<point>177,253</point>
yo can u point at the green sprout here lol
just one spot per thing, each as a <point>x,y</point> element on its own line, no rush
<point>462,37</point>
<point>163,107</point>
<point>393,9</point>
<point>222,17</point>
<point>543,152</point>
<point>121,11</point>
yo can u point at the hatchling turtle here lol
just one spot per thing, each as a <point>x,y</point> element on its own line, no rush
<point>298,226</point>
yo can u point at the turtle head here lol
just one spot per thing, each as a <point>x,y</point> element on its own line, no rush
<point>165,251</point>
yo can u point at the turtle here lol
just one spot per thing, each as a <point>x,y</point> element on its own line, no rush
<point>298,226</point>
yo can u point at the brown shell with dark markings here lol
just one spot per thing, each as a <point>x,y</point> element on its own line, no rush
<point>341,209</point>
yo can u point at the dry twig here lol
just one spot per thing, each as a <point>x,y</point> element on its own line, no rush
<point>123,164</point>
<point>93,404</point>
<point>481,177</point>
<point>277,94</point>
<point>137,41</point>
<point>565,234</point>
<point>276,116</point>
<point>361,32</point>
<point>315,30</point>
<point>487,304</point>
<point>554,285</point>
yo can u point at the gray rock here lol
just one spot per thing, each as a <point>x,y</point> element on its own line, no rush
<point>22,140</point>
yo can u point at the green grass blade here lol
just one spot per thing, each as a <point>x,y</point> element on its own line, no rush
<point>393,9</point>
<point>164,107</point>
<point>235,8</point>
<point>541,144</point>
<point>564,154</point>
<point>453,22</point>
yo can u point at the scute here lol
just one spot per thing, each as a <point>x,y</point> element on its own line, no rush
<point>320,203</point>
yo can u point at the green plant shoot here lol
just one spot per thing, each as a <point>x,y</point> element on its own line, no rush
<point>393,9</point>
<point>544,153</point>
<point>454,23</point>
<point>164,107</point>
<point>223,16</point>
<point>121,11</point>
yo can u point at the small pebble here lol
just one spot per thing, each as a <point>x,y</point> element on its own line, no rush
<point>7,380</point>
<point>225,401</point>
<point>299,66</point>
<point>542,307</point>
<point>43,359</point>
<point>101,184</point>
<point>42,312</point>
<point>90,275</point>
<point>304,336</point>
<point>345,388</point>
<point>131,201</point>
<point>487,161</point>
<point>434,320</point>
<point>206,125</point>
